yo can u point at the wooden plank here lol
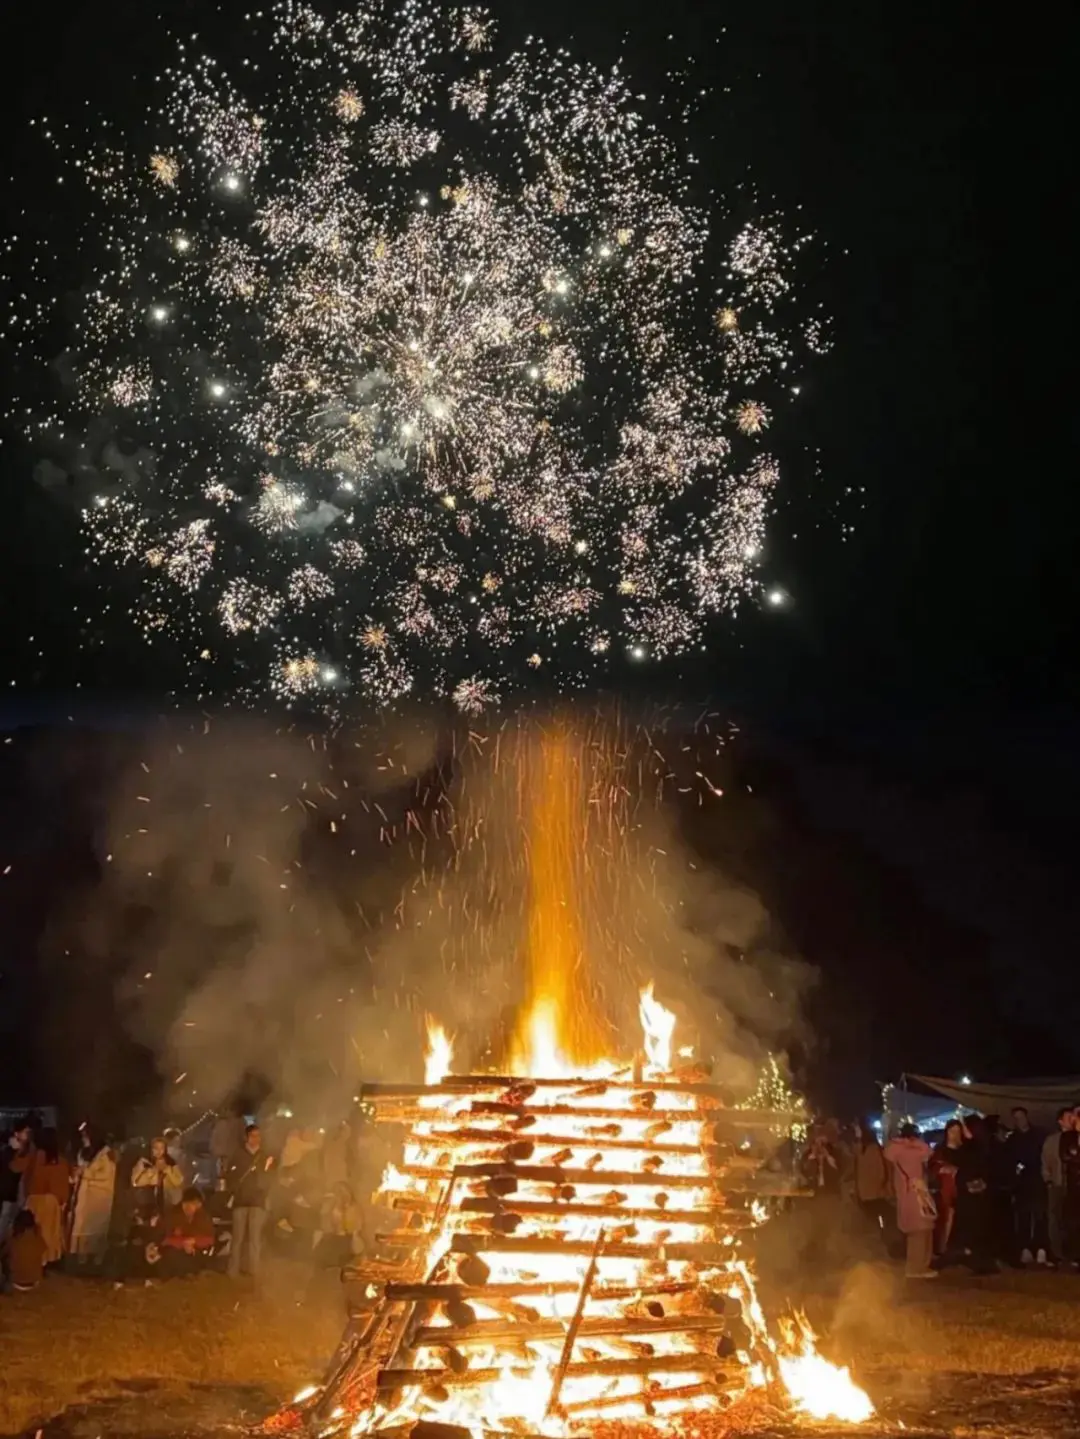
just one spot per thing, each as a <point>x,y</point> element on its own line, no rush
<point>597,1369</point>
<point>499,1331</point>
<point>648,1397</point>
<point>556,1174</point>
<point>509,1244</point>
<point>509,1289</point>
<point>559,1208</point>
<point>740,1119</point>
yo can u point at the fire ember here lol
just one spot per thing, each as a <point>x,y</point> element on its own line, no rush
<point>571,1260</point>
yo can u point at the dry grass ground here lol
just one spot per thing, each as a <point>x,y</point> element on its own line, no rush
<point>74,1343</point>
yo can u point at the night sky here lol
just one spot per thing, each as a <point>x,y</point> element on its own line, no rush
<point>912,716</point>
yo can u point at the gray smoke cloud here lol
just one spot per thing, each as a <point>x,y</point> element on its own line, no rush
<point>281,906</point>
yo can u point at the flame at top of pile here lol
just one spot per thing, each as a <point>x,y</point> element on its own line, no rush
<point>417,369</point>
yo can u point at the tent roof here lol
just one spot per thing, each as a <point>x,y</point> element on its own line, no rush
<point>1042,1098</point>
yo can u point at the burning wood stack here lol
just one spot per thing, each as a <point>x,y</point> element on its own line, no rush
<point>570,1255</point>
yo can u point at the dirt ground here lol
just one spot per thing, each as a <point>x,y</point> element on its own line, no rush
<point>998,1357</point>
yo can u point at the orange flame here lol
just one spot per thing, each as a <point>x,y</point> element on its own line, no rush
<point>557,1033</point>
<point>439,1054</point>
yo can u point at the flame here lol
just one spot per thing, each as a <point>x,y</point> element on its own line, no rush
<point>557,1034</point>
<point>440,1053</point>
<point>659,1025</point>
<point>816,1387</point>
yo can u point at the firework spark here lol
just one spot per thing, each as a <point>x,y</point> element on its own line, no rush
<point>462,381</point>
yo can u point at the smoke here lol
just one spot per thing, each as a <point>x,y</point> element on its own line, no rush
<point>280,909</point>
<point>319,519</point>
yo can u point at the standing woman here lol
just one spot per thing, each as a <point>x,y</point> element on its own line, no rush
<point>915,1213</point>
<point>873,1188</point>
<point>95,1186</point>
<point>944,1167</point>
<point>48,1187</point>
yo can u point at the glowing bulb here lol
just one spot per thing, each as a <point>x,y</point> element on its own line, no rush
<point>232,182</point>
<point>424,202</point>
<point>329,675</point>
<point>217,389</point>
<point>605,251</point>
<point>561,287</point>
<point>159,314</point>
<point>580,546</point>
<point>751,552</point>
<point>965,1079</point>
<point>637,652</point>
<point>776,597</point>
<point>182,243</point>
<point>534,373</point>
<point>468,277</point>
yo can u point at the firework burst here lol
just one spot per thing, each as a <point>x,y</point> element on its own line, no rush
<point>425,348</point>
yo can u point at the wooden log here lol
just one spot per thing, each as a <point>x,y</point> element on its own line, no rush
<point>711,1218</point>
<point>720,1158</point>
<point>596,1369</point>
<point>452,1086</point>
<point>574,1328</point>
<point>558,1174</point>
<point>647,1398</point>
<point>502,1244</point>
<point>725,1119</point>
<point>509,1289</point>
<point>499,1331</point>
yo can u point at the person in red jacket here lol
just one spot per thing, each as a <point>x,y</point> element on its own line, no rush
<point>187,1239</point>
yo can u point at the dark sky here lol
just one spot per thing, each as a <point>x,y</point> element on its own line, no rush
<point>917,704</point>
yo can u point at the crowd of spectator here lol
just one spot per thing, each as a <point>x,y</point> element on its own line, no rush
<point>983,1194</point>
<point>158,1210</point>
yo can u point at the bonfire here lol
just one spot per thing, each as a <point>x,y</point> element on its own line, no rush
<point>569,1242</point>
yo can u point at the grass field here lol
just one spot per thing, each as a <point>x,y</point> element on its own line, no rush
<point>76,1343</point>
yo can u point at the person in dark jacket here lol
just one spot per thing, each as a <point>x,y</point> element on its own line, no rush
<point>187,1239</point>
<point>972,1234</point>
<point>247,1180</point>
<point>1023,1150</point>
<point>12,1148</point>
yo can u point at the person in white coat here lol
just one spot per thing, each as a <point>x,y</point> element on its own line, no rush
<point>95,1188</point>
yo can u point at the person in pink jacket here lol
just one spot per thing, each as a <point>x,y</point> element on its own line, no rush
<point>908,1156</point>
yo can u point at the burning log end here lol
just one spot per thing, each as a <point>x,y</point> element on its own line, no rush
<point>561,1156</point>
<point>587,1091</point>
<point>646,1351</point>
<point>644,1101</point>
<point>616,1196</point>
<point>456,1362</point>
<point>473,1271</point>
<point>501,1185</point>
<point>564,1192</point>
<point>725,1347</point>
<point>519,1149</point>
<point>524,1121</point>
<point>721,1303</point>
<point>652,1164</point>
<point>654,1309</point>
<point>433,1429</point>
<point>662,1200</point>
<point>519,1093</point>
<point>504,1223</point>
<point>436,1394</point>
<point>593,1160</point>
<point>605,1131</point>
<point>458,1312</point>
<point>622,1232</point>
